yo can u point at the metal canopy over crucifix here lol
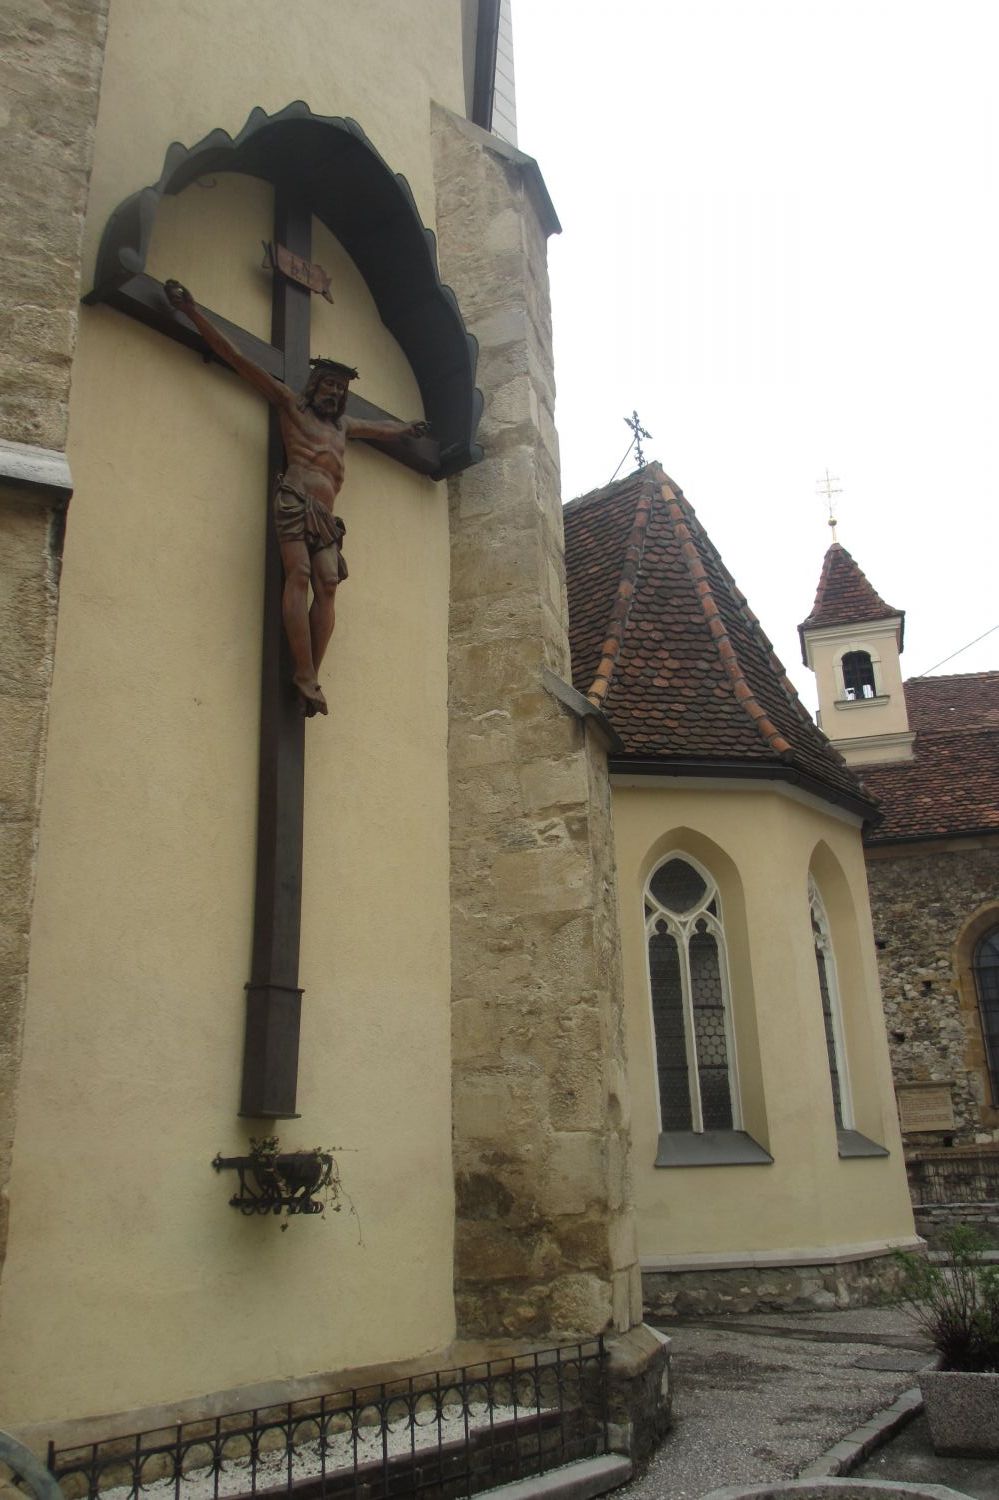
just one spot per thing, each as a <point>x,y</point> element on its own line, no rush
<point>327,168</point>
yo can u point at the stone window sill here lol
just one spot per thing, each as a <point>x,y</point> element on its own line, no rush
<point>877,701</point>
<point>710,1148</point>
<point>852,1143</point>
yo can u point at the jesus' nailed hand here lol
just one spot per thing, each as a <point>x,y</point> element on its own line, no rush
<point>314,429</point>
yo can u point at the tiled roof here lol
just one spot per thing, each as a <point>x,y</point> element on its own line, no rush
<point>951,787</point>
<point>845,597</point>
<point>969,700</point>
<point>664,642</point>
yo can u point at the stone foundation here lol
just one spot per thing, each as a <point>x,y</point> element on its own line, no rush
<point>712,1293</point>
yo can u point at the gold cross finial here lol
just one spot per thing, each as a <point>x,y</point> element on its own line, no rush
<point>827,487</point>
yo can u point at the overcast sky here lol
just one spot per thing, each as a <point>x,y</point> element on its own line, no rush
<point>781,244</point>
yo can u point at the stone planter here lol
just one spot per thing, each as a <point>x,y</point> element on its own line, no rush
<point>962,1409</point>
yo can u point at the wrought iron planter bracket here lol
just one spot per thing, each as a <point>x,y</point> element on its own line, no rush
<point>285,1183</point>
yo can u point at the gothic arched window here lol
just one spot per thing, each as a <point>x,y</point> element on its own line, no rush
<point>832,1014</point>
<point>688,977</point>
<point>986,970</point>
<point>858,675</point>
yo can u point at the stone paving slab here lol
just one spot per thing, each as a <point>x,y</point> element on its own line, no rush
<point>753,1406</point>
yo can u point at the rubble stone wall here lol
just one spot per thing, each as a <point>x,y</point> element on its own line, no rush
<point>819,1288</point>
<point>545,1236</point>
<point>923,902</point>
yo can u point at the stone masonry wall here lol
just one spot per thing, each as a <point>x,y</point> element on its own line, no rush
<point>50,67</point>
<point>545,1238</point>
<point>920,903</point>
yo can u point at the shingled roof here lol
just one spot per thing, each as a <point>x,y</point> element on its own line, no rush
<point>845,596</point>
<point>951,788</point>
<point>666,645</point>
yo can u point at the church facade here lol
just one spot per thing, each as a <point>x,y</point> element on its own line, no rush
<point>416,934</point>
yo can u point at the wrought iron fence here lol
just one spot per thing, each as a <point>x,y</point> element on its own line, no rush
<point>447,1433</point>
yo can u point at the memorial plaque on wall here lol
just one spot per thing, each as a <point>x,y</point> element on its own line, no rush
<point>925,1106</point>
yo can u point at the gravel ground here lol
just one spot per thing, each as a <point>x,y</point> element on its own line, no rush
<point>751,1405</point>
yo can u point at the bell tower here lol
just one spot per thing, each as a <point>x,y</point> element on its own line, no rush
<point>852,640</point>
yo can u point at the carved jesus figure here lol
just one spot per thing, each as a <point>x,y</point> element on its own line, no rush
<point>314,429</point>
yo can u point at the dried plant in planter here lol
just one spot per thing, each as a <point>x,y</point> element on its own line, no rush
<point>956,1304</point>
<point>272,1181</point>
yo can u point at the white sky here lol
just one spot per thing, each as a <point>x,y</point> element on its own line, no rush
<point>781,244</point>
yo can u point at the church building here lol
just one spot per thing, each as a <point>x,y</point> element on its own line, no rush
<point>545,955</point>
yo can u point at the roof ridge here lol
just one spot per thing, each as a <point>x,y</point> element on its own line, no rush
<point>617,624</point>
<point>717,628</point>
<point>755,625</point>
<point>780,672</point>
<point>950,676</point>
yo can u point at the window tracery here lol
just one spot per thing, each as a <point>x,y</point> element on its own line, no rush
<point>688,980</point>
<point>832,1014</point>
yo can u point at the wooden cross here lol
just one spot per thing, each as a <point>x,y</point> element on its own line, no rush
<point>273,994</point>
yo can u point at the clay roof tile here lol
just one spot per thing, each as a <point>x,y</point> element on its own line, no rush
<point>845,596</point>
<point>663,641</point>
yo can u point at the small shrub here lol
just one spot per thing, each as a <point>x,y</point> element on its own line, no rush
<point>957,1305</point>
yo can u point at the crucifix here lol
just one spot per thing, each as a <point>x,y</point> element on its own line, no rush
<point>308,432</point>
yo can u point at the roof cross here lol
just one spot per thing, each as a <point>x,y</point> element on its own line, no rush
<point>639,433</point>
<point>827,487</point>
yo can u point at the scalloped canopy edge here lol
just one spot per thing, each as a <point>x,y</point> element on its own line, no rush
<point>367,207</point>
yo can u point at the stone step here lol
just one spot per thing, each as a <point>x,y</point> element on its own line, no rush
<point>575,1481</point>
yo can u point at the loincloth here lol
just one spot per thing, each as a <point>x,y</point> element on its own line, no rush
<point>299,518</point>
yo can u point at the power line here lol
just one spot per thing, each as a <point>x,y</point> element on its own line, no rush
<point>957,652</point>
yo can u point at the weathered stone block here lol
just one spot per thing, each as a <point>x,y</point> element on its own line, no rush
<point>581,1303</point>
<point>490,1106</point>
<point>577,1172</point>
<point>547,879</point>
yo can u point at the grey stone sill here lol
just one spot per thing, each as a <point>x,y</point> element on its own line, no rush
<point>710,1148</point>
<point>852,1143</point>
<point>42,472</point>
<point>877,700</point>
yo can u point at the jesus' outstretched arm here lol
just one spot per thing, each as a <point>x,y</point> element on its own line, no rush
<point>273,390</point>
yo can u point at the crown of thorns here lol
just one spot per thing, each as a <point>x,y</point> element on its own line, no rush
<point>333,364</point>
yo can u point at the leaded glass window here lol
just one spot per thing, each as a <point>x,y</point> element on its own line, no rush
<point>688,979</point>
<point>986,968</point>
<point>832,1015</point>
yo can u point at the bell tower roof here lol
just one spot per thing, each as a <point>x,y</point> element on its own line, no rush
<point>845,596</point>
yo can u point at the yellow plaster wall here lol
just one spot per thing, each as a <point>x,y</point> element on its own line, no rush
<point>129,1279</point>
<point>174,73</point>
<point>760,846</point>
